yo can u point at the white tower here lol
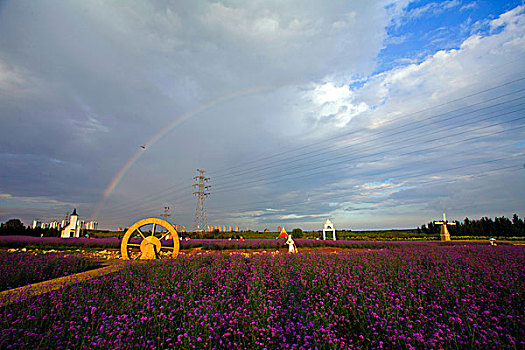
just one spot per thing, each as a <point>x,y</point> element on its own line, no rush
<point>328,227</point>
<point>73,229</point>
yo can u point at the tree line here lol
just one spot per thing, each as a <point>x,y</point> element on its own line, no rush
<point>16,227</point>
<point>499,226</point>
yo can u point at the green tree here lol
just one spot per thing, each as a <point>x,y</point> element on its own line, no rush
<point>12,227</point>
<point>297,233</point>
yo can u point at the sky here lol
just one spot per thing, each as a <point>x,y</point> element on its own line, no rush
<point>375,114</point>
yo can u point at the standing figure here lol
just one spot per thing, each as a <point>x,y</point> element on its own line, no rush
<point>291,245</point>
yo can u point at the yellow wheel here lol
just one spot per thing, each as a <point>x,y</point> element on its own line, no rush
<point>150,238</point>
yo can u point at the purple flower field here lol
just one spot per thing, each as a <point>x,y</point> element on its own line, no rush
<point>275,244</point>
<point>19,269</point>
<point>57,243</point>
<point>206,244</point>
<point>408,297</point>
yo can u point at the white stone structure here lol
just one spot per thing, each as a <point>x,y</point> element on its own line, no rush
<point>328,227</point>
<point>73,229</point>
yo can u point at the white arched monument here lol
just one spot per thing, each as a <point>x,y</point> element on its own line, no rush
<point>328,227</point>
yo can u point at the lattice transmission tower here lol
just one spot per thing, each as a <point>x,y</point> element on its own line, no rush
<point>199,224</point>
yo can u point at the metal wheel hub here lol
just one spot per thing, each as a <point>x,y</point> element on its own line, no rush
<point>150,248</point>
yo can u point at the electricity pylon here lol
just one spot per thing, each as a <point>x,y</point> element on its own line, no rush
<point>199,224</point>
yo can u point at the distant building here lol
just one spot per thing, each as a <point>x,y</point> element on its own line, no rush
<point>223,228</point>
<point>70,227</point>
<point>36,224</point>
<point>91,225</point>
<point>54,224</point>
<point>73,228</point>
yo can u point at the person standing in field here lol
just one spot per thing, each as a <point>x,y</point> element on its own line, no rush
<point>291,245</point>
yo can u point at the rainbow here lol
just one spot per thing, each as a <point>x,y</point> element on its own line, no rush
<point>162,132</point>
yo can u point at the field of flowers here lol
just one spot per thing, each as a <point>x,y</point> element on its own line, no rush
<point>408,297</point>
<point>206,244</point>
<point>20,269</point>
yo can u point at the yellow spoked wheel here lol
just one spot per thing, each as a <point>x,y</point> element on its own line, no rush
<point>150,238</point>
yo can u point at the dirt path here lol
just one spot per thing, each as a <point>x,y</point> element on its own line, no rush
<point>13,295</point>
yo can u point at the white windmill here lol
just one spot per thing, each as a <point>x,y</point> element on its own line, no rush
<point>445,236</point>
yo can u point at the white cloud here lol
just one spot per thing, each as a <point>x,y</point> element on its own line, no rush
<point>292,216</point>
<point>447,72</point>
<point>36,201</point>
<point>512,19</point>
<point>433,8</point>
<point>332,104</point>
<point>90,125</point>
<point>12,79</point>
<point>480,62</point>
<point>251,213</point>
<point>379,189</point>
<point>469,6</point>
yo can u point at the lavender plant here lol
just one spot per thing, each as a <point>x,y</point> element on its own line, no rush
<point>19,269</point>
<point>410,297</point>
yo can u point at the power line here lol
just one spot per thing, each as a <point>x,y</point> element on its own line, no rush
<point>382,148</point>
<point>259,180</point>
<point>370,174</point>
<point>217,173</point>
<point>428,148</point>
<point>404,178</point>
<point>369,139</point>
<point>165,193</point>
<point>400,118</point>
